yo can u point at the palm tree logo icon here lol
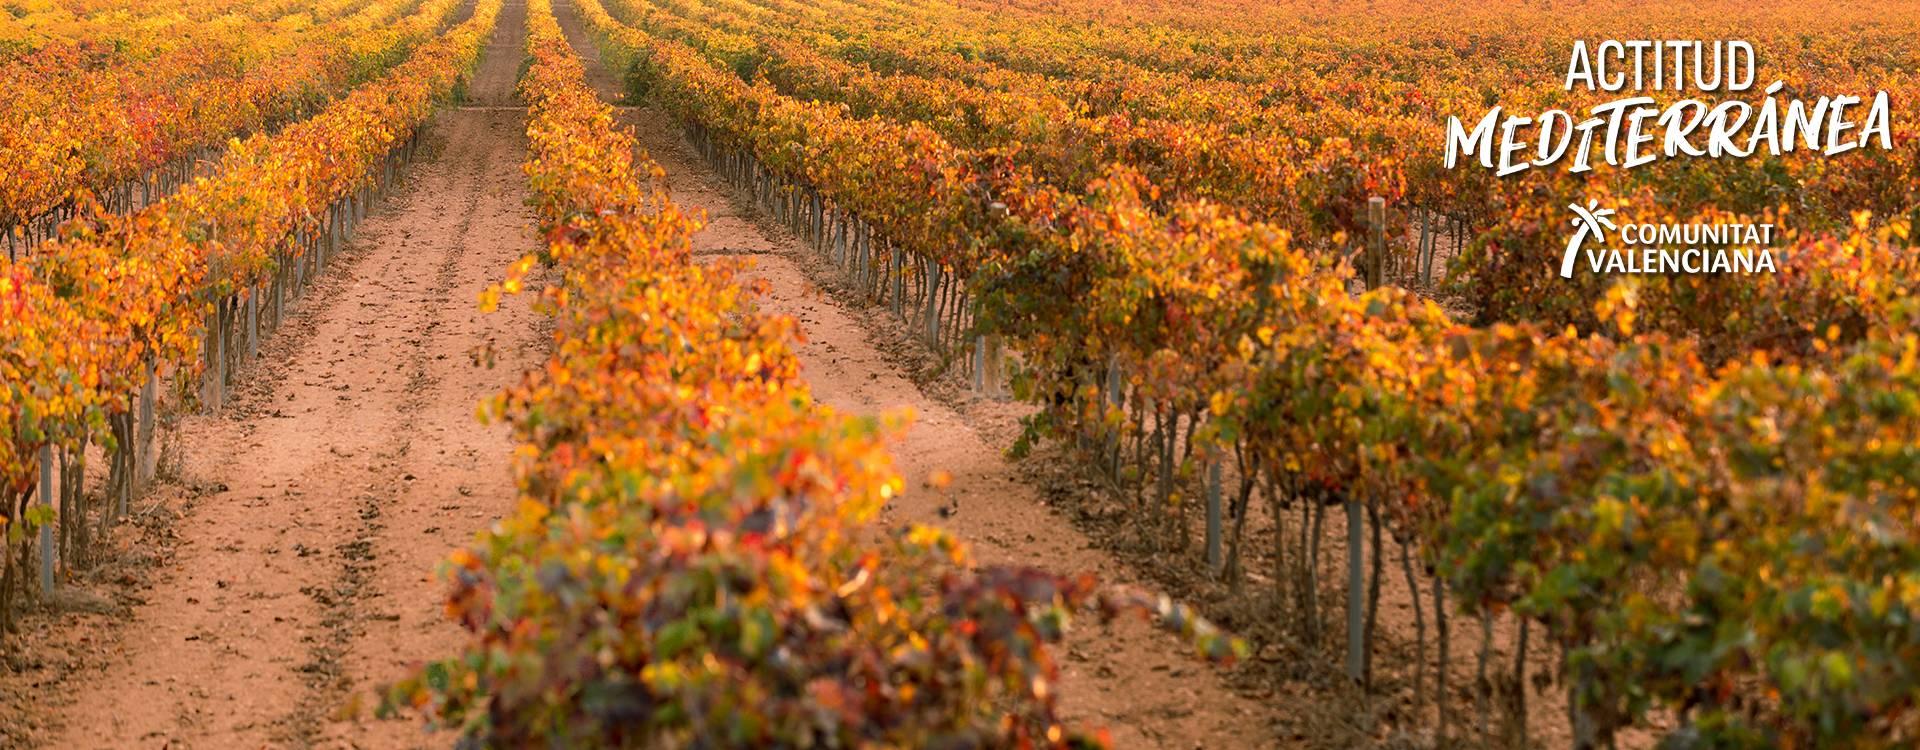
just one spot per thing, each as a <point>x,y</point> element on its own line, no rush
<point>1589,221</point>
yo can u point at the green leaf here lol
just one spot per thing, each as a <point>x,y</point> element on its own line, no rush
<point>676,637</point>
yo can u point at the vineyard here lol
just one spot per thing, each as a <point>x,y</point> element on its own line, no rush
<point>972,373</point>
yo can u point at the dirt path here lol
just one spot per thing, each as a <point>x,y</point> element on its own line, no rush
<point>350,464</point>
<point>1128,677</point>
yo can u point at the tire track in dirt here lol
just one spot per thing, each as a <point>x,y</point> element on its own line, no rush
<point>1138,682</point>
<point>347,467</point>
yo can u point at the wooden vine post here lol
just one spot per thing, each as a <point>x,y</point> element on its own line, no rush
<point>146,462</point>
<point>933,315</point>
<point>980,364</point>
<point>46,526</point>
<point>1376,241</point>
<point>1356,605</point>
<point>1213,515</point>
<point>996,366</point>
<point>1374,269</point>
<point>1424,250</point>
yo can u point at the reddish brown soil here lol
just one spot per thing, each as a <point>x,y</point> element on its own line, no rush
<point>289,568</point>
<point>1134,680</point>
<point>1127,677</point>
<point>348,465</point>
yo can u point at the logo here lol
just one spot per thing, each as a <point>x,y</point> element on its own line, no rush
<point>1664,248</point>
<point>1591,221</point>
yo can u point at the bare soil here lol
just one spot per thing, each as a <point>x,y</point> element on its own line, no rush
<point>1136,681</point>
<point>286,568</point>
<point>347,465</point>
